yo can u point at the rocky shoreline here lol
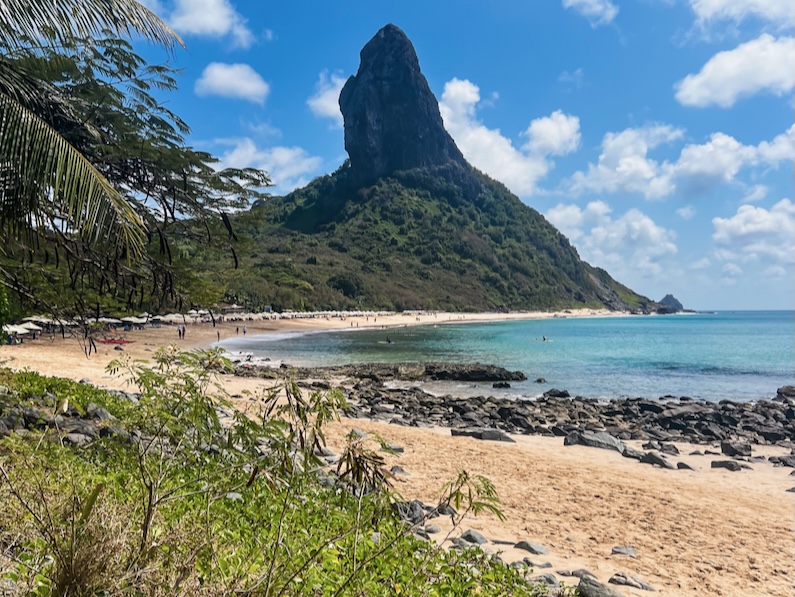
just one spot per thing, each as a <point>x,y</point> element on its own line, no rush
<point>556,413</point>
<point>667,419</point>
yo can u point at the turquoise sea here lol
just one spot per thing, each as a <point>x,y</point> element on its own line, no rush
<point>738,355</point>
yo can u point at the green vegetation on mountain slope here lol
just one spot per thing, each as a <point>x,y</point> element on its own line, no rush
<point>415,240</point>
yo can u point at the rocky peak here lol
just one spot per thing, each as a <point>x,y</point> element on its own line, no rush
<point>392,119</point>
<point>671,302</point>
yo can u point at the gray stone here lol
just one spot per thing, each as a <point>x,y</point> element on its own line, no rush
<point>393,449</point>
<point>97,412</point>
<point>683,466</point>
<point>433,528</point>
<point>735,448</point>
<point>472,536</point>
<point>730,465</point>
<point>621,578</point>
<point>77,439</point>
<point>398,470</point>
<point>548,579</point>
<point>483,434</point>
<point>655,459</point>
<point>533,548</point>
<point>590,587</point>
<point>598,439</point>
<point>623,550</point>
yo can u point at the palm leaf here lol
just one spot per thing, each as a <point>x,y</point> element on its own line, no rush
<point>46,183</point>
<point>65,20</point>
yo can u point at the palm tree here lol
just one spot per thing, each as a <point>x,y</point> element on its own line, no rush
<point>45,183</point>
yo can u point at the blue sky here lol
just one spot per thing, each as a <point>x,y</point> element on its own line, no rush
<point>656,134</point>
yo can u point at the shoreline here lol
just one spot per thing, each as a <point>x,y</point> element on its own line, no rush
<point>705,531</point>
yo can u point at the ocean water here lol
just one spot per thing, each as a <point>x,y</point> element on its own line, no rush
<point>743,355</point>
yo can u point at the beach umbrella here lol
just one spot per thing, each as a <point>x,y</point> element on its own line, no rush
<point>29,325</point>
<point>15,329</point>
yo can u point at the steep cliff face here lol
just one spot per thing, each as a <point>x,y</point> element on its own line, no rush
<point>392,119</point>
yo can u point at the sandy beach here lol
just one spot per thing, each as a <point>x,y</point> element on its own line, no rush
<point>702,532</point>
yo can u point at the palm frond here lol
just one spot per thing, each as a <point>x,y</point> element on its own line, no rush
<point>65,20</point>
<point>46,182</point>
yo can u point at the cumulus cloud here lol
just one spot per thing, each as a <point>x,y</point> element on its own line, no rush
<point>757,233</point>
<point>631,242</point>
<point>686,213</point>
<point>774,11</point>
<point>755,193</point>
<point>288,167</point>
<point>557,134</point>
<point>598,12</point>
<point>764,64</point>
<point>325,101</point>
<point>210,18</point>
<point>575,78</point>
<point>490,151</point>
<point>238,81</point>
<point>624,165</point>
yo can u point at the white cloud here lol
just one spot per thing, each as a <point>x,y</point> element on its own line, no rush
<point>757,233</point>
<point>732,269</point>
<point>556,134</point>
<point>756,193</point>
<point>763,64</point>
<point>325,102</point>
<point>575,78</point>
<point>702,263</point>
<point>774,272</point>
<point>686,213</point>
<point>598,12</point>
<point>630,243</point>
<point>288,167</point>
<point>774,11</point>
<point>238,81</point>
<point>624,166</point>
<point>488,150</point>
<point>211,18</point>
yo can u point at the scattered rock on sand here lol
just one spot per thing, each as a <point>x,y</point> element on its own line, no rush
<point>683,466</point>
<point>485,434</point>
<point>730,465</point>
<point>472,536</point>
<point>533,548</point>
<point>547,579</point>
<point>433,528</point>
<point>735,448</point>
<point>656,459</point>
<point>623,550</point>
<point>621,578</point>
<point>600,439</point>
<point>590,587</point>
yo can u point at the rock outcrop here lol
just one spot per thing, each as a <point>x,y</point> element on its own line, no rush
<point>670,301</point>
<point>392,119</point>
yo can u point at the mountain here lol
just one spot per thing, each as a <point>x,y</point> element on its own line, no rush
<point>406,222</point>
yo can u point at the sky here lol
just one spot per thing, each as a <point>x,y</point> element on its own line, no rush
<point>657,135</point>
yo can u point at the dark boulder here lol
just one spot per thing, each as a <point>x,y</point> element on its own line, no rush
<point>656,459</point>
<point>730,465</point>
<point>494,435</point>
<point>735,448</point>
<point>590,587</point>
<point>594,440</point>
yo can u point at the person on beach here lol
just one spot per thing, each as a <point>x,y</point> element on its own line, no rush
<point>244,330</point>
<point>218,333</point>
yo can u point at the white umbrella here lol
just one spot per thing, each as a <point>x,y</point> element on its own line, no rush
<point>29,325</point>
<point>15,329</point>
